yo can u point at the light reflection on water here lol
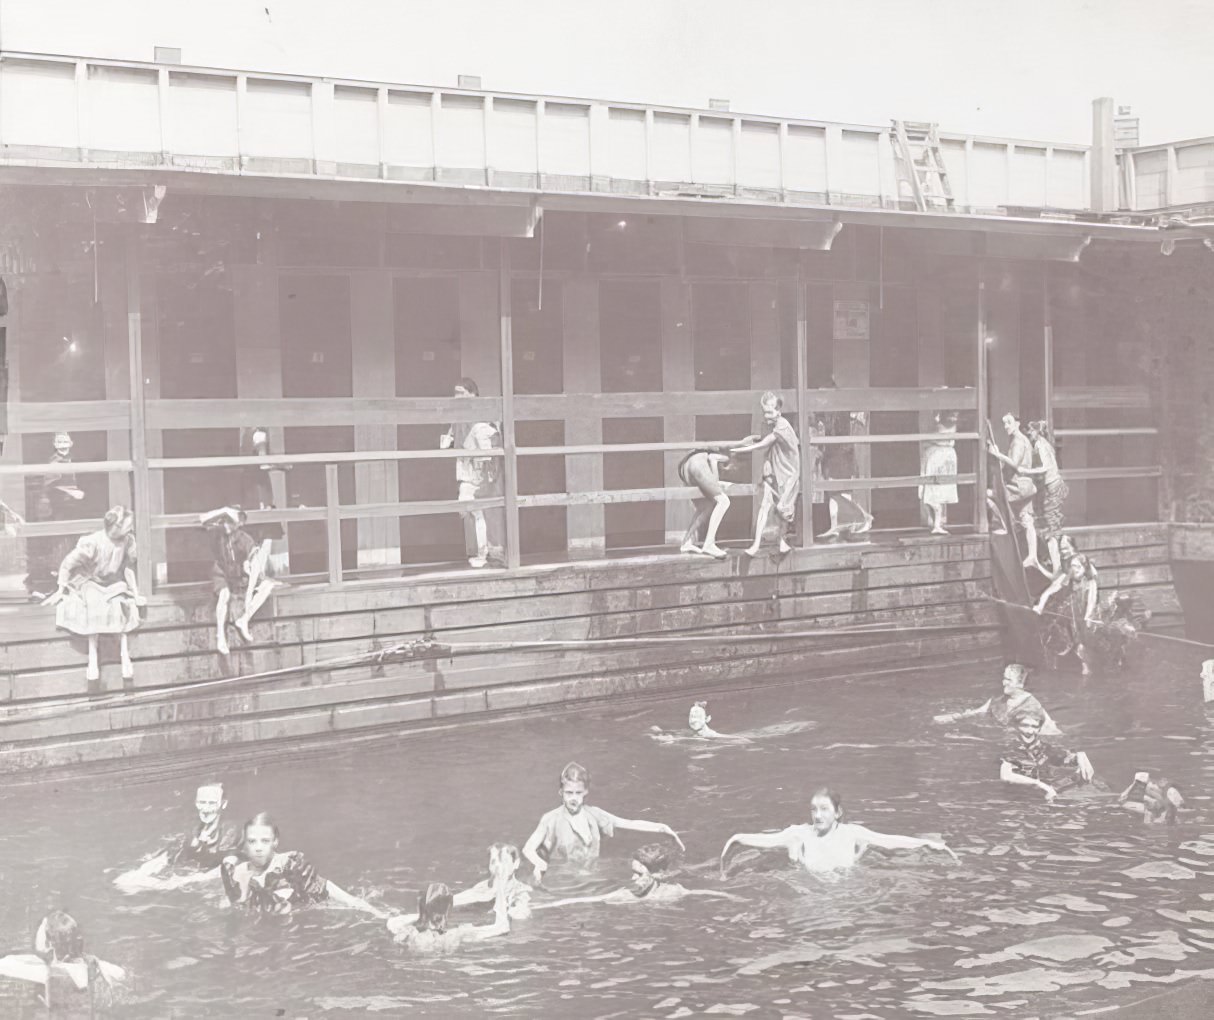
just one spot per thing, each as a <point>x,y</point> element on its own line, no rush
<point>1053,911</point>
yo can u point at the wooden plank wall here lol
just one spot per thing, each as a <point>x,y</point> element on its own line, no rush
<point>901,588</point>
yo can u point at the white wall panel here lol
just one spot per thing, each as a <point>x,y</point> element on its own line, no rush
<point>122,109</point>
<point>805,159</point>
<point>712,160</point>
<point>38,103</point>
<point>202,114</point>
<point>626,144</point>
<point>988,175</point>
<point>670,159</point>
<point>512,141</point>
<point>859,169</point>
<point>1151,176</point>
<point>410,131</point>
<point>461,132</point>
<point>1028,177</point>
<point>1194,174</point>
<point>356,125</point>
<point>954,163</point>
<point>1068,180</point>
<point>759,155</point>
<point>277,119</point>
<point>565,140</point>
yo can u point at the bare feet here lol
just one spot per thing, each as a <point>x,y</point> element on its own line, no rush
<point>785,547</point>
<point>866,526</point>
<point>939,531</point>
<point>221,646</point>
<point>714,550</point>
<point>690,547</point>
<point>752,551</point>
<point>128,670</point>
<point>830,533</point>
<point>242,625</point>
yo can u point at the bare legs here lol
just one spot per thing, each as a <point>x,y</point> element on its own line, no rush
<point>856,528</point>
<point>937,517</point>
<point>93,671</point>
<point>260,586</point>
<point>766,505</point>
<point>713,511</point>
<point>222,601</point>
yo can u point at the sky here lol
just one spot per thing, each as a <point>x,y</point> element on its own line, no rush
<point>1024,69</point>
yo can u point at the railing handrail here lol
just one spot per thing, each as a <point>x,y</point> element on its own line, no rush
<point>84,467</point>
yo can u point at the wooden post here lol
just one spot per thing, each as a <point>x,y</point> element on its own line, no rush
<point>1047,347</point>
<point>583,473</point>
<point>804,415</point>
<point>333,522</point>
<point>141,487</point>
<point>982,460</point>
<point>510,467</point>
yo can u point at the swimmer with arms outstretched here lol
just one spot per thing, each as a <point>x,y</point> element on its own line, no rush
<point>270,882</point>
<point>1003,708</point>
<point>194,857</point>
<point>575,829</point>
<point>652,866</point>
<point>504,863</point>
<point>429,932</point>
<point>828,842</point>
<point>697,721</point>
<point>59,960</point>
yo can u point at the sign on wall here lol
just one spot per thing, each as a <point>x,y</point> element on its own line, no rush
<point>851,320</point>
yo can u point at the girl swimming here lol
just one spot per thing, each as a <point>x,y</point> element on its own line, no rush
<point>827,842</point>
<point>697,721</point>
<point>429,932</point>
<point>504,863</point>
<point>59,960</point>
<point>575,829</point>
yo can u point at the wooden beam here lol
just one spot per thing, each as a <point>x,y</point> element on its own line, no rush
<point>982,460</point>
<point>333,522</point>
<point>510,475</point>
<point>145,566</point>
<point>803,413</point>
<point>586,525</point>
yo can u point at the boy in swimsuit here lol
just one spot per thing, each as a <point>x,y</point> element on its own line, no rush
<point>199,852</point>
<point>1002,708</point>
<point>702,468</point>
<point>575,829</point>
<point>271,882</point>
<point>504,861</point>
<point>652,866</point>
<point>1031,761</point>
<point>827,842</point>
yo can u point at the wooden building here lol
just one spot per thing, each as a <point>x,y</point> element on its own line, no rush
<point>192,252</point>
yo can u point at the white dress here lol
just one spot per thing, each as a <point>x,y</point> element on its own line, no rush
<point>940,458</point>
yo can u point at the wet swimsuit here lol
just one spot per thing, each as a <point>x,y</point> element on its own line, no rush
<point>289,881</point>
<point>206,847</point>
<point>560,836</point>
<point>696,469</point>
<point>1042,760</point>
<point>231,553</point>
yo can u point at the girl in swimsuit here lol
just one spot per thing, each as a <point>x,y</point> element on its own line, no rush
<point>652,866</point>
<point>430,934</point>
<point>59,961</point>
<point>575,829</point>
<point>828,842</point>
<point>697,721</point>
<point>504,863</point>
<point>271,882</point>
<point>1001,709</point>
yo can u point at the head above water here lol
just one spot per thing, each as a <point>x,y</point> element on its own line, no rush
<point>433,906</point>
<point>59,937</point>
<point>209,802</point>
<point>650,864</point>
<point>575,784</point>
<point>504,859</point>
<point>1015,676</point>
<point>260,839</point>
<point>1028,721</point>
<point>825,809</point>
<point>1161,801</point>
<point>698,717</point>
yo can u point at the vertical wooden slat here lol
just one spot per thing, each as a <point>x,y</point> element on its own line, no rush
<point>333,522</point>
<point>510,474</point>
<point>982,460</point>
<point>139,450</point>
<point>1047,346</point>
<point>803,415</point>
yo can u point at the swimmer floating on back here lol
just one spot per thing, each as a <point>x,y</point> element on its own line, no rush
<point>271,882</point>
<point>196,855</point>
<point>504,862</point>
<point>652,866</point>
<point>59,960</point>
<point>697,721</point>
<point>828,842</point>
<point>575,829</point>
<point>1031,761</point>
<point>1002,708</point>
<point>1157,800</point>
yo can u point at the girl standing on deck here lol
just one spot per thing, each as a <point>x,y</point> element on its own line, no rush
<point>575,829</point>
<point>781,471</point>
<point>940,458</point>
<point>828,842</point>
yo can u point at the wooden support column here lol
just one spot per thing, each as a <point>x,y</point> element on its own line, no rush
<point>584,472</point>
<point>1047,396</point>
<point>982,461</point>
<point>804,414</point>
<point>154,438</point>
<point>138,442</point>
<point>851,371</point>
<point>764,366</point>
<point>373,341</point>
<point>510,474</point>
<point>111,283</point>
<point>678,376</point>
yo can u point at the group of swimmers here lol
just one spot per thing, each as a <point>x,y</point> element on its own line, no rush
<point>258,876</point>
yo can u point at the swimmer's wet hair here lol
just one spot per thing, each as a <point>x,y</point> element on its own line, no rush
<point>834,796</point>
<point>658,858</point>
<point>506,848</point>
<point>261,818</point>
<point>575,773</point>
<point>432,908</point>
<point>214,783</point>
<point>60,937</point>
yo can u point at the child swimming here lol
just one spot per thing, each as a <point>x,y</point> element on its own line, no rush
<point>1031,761</point>
<point>59,960</point>
<point>429,932</point>
<point>652,866</point>
<point>697,721</point>
<point>271,882</point>
<point>575,829</point>
<point>1158,800</point>
<point>828,842</point>
<point>1014,698</point>
<point>504,863</point>
<point>194,856</point>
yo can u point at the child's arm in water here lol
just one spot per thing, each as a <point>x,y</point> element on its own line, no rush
<point>967,713</point>
<point>640,825</point>
<point>530,848</point>
<point>1008,773</point>
<point>345,899</point>
<point>501,918</point>
<point>785,839</point>
<point>615,896</point>
<point>866,837</point>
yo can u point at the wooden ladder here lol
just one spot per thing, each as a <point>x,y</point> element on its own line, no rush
<point>920,163</point>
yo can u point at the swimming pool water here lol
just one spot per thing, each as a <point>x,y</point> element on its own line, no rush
<point>1054,910</point>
